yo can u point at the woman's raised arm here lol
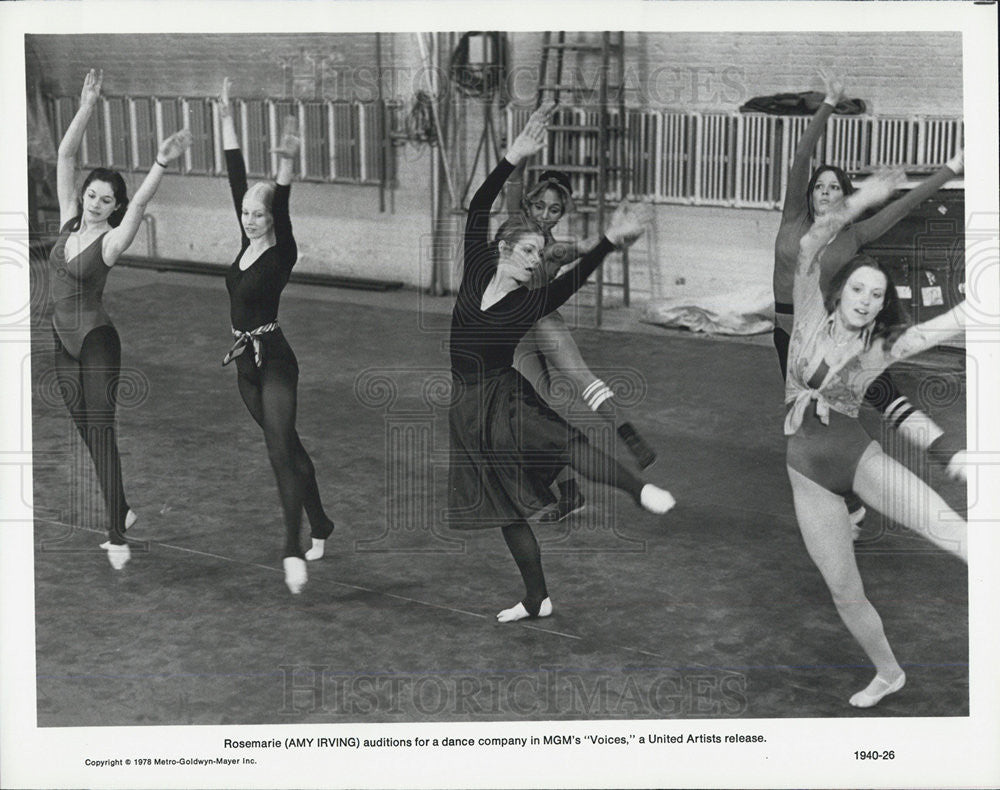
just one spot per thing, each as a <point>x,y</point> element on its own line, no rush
<point>70,145</point>
<point>873,227</point>
<point>118,239</point>
<point>796,199</point>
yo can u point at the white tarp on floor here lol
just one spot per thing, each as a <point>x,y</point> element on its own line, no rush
<point>749,312</point>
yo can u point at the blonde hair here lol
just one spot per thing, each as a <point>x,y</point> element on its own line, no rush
<point>262,191</point>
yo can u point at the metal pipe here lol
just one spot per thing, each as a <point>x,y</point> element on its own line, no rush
<point>150,222</point>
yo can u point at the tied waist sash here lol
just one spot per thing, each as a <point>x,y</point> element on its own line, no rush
<point>251,336</point>
<point>797,412</point>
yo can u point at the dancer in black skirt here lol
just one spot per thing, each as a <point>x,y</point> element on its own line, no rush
<point>268,371</point>
<point>507,445</point>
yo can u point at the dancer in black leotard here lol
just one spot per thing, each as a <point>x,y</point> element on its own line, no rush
<point>98,225</point>
<point>506,445</point>
<point>267,368</point>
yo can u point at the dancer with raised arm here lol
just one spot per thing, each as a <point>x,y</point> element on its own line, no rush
<point>507,445</point>
<point>839,345</point>
<point>267,370</point>
<point>98,223</point>
<point>548,351</point>
<point>808,199</point>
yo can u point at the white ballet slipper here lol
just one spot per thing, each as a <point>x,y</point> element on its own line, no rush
<point>118,555</point>
<point>295,574</point>
<point>317,550</point>
<point>518,612</point>
<point>656,500</point>
<point>878,688</point>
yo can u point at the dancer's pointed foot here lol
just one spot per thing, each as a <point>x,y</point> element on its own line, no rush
<point>317,550</point>
<point>118,554</point>
<point>878,688</point>
<point>295,574</point>
<point>655,499</point>
<point>520,612</point>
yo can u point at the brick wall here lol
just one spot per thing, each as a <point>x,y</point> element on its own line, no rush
<point>339,227</point>
<point>895,73</point>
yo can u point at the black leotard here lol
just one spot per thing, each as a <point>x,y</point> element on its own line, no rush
<point>254,293</point>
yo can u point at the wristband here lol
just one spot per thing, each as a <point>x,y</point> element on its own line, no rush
<point>829,101</point>
<point>160,163</point>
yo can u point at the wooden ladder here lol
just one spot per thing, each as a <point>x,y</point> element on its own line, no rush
<point>610,137</point>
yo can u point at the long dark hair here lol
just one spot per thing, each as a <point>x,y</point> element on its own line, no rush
<point>118,188</point>
<point>892,320</point>
<point>842,178</point>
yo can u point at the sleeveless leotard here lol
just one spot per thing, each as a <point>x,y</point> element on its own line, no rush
<point>77,287</point>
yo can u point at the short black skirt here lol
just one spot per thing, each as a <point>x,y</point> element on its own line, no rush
<point>507,446</point>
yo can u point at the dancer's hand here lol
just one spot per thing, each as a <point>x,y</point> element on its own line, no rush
<point>175,145</point>
<point>290,139</point>
<point>628,223</point>
<point>531,140</point>
<point>224,110</point>
<point>957,163</point>
<point>834,85</point>
<point>877,188</point>
<point>91,88</point>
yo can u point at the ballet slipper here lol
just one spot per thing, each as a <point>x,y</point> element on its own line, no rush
<point>118,555</point>
<point>656,500</point>
<point>878,688</point>
<point>317,550</point>
<point>519,612</point>
<point>295,574</point>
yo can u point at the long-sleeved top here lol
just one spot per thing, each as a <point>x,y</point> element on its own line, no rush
<point>795,222</point>
<point>254,293</point>
<point>483,341</point>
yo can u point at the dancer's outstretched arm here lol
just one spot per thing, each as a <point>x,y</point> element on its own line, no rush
<point>119,239</point>
<point>69,146</point>
<point>870,229</point>
<point>796,199</point>
<point>874,190</point>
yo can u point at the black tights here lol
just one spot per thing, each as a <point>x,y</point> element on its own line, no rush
<point>595,466</point>
<point>89,386</point>
<point>270,397</point>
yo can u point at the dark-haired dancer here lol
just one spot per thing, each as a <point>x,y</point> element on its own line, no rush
<point>507,445</point>
<point>548,350</point>
<point>810,198</point>
<point>98,225</point>
<point>268,372</point>
<point>838,346</point>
